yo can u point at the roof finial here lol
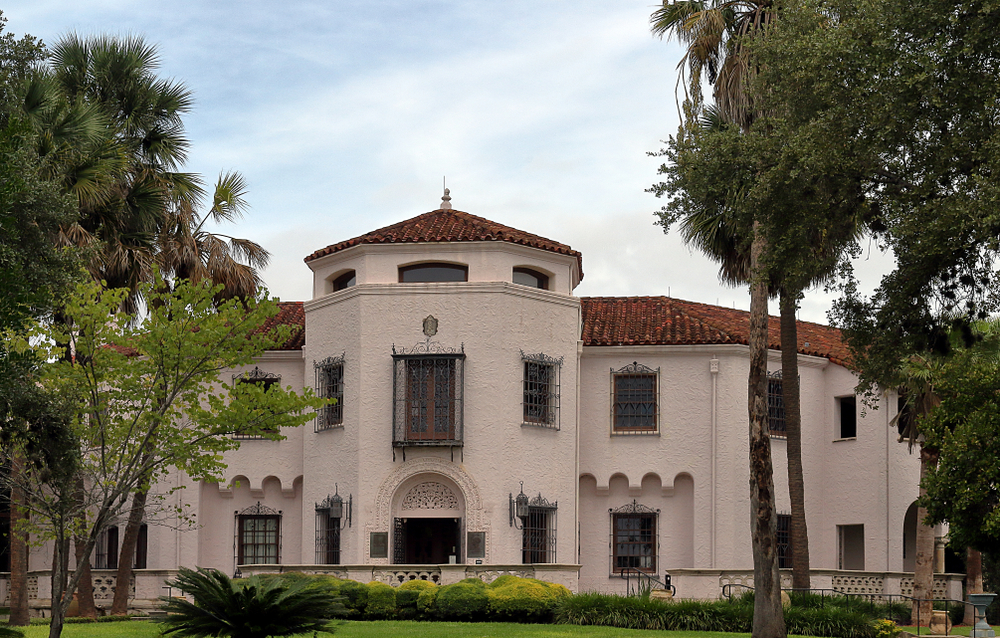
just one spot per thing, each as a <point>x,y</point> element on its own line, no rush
<point>446,198</point>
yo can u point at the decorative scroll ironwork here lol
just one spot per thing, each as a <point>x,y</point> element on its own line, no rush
<point>257,535</point>
<point>428,347</point>
<point>543,503</point>
<point>634,541</point>
<point>399,541</point>
<point>256,375</point>
<point>635,368</point>
<point>428,393</point>
<point>634,507</point>
<point>540,403</point>
<point>330,385</point>
<point>775,405</point>
<point>635,399</point>
<point>258,510</point>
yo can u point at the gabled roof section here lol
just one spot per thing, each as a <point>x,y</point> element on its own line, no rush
<point>290,313</point>
<point>636,321</point>
<point>447,225</point>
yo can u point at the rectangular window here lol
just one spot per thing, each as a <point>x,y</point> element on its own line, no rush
<point>258,539</point>
<point>541,390</point>
<point>784,540</point>
<point>633,538</point>
<point>106,549</point>
<point>538,538</point>
<point>330,385</point>
<point>635,390</point>
<point>427,399</point>
<point>141,547</point>
<point>775,406</point>
<point>848,418</point>
<point>851,547</point>
<point>263,380</point>
<point>327,539</point>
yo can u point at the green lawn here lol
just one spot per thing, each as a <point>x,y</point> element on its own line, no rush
<point>382,629</point>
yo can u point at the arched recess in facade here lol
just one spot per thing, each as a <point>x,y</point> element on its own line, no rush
<point>428,468</point>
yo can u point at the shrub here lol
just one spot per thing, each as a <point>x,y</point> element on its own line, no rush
<point>355,594</point>
<point>427,602</point>
<point>406,598</point>
<point>465,600</point>
<point>381,601</point>
<point>885,629</point>
<point>513,599</point>
<point>256,607</point>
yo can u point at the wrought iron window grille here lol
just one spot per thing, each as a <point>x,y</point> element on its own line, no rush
<point>784,540</point>
<point>775,405</point>
<point>333,514</point>
<point>635,405</point>
<point>330,385</point>
<point>257,536</point>
<point>634,539</point>
<point>540,399</point>
<point>428,396</point>
<point>263,379</point>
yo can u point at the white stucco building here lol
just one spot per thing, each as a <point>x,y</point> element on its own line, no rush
<point>466,370</point>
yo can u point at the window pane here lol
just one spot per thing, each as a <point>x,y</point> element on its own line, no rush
<point>426,273</point>
<point>635,402</point>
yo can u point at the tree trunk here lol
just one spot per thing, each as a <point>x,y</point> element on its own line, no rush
<point>126,557</point>
<point>60,572</point>
<point>923,564</point>
<point>768,617</point>
<point>19,614</point>
<point>85,590</point>
<point>973,582</point>
<point>799,535</point>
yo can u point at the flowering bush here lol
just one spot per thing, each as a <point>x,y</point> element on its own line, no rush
<point>885,629</point>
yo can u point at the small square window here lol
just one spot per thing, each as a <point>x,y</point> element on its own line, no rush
<point>540,404</point>
<point>330,385</point>
<point>634,405</point>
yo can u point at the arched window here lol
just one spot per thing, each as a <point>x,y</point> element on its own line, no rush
<point>433,272</point>
<point>530,278</point>
<point>346,280</point>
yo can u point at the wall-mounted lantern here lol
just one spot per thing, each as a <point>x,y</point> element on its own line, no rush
<point>518,506</point>
<point>338,511</point>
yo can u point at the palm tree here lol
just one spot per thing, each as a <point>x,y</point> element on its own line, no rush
<point>715,34</point>
<point>257,607</point>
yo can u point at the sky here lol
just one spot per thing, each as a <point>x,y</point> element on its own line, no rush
<point>345,116</point>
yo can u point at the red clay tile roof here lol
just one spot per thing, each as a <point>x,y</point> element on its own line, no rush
<point>616,321</point>
<point>447,225</point>
<point>290,313</point>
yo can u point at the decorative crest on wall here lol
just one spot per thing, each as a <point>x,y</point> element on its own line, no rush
<point>258,510</point>
<point>634,368</point>
<point>541,358</point>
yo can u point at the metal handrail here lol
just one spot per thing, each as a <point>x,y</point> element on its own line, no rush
<point>640,576</point>
<point>727,591</point>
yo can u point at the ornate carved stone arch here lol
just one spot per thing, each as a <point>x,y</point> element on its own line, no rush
<point>475,519</point>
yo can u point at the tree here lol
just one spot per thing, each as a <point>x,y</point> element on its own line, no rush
<point>186,251</point>
<point>145,401</point>
<point>716,35</point>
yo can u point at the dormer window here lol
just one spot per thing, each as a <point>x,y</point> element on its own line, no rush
<point>433,272</point>
<point>531,278</point>
<point>346,280</point>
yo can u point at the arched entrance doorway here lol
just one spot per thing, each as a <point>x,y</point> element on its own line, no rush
<point>428,513</point>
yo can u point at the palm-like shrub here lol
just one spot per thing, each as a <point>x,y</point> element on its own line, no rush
<point>257,607</point>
